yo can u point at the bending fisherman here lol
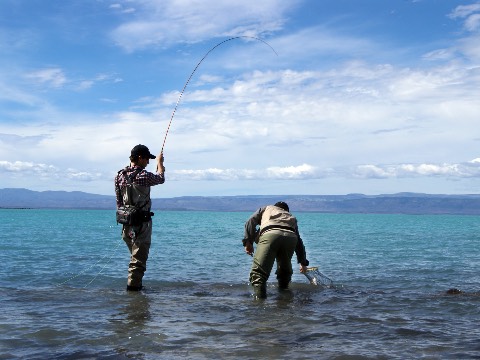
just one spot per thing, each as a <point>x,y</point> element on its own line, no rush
<point>277,239</point>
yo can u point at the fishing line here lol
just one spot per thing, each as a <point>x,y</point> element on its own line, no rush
<point>103,267</point>
<point>91,266</point>
<point>195,69</point>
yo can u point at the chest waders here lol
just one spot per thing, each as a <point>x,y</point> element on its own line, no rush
<point>137,236</point>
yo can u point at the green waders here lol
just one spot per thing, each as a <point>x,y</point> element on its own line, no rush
<point>273,245</point>
<point>139,247</point>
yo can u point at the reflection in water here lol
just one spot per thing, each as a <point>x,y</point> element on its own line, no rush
<point>136,309</point>
<point>131,324</point>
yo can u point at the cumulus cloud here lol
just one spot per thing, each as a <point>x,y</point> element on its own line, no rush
<point>318,117</point>
<point>28,168</point>
<point>330,101</point>
<point>46,171</point>
<point>301,172</point>
<point>470,169</point>
<point>463,170</point>
<point>286,105</point>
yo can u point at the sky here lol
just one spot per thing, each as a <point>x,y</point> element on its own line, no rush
<point>300,97</point>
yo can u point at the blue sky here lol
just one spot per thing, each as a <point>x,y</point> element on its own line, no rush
<point>359,96</point>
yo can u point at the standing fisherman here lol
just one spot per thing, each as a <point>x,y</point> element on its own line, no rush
<point>132,190</point>
<point>277,239</point>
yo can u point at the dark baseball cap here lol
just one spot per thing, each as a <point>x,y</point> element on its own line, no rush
<point>282,205</point>
<point>142,150</point>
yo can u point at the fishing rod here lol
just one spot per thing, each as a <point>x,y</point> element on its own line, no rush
<point>195,69</point>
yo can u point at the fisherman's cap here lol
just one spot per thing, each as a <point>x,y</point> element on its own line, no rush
<point>142,151</point>
<point>282,205</point>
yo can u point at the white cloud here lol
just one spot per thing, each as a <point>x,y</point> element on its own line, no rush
<point>371,171</point>
<point>122,9</point>
<point>100,78</point>
<point>85,84</point>
<point>45,171</point>
<point>312,117</point>
<point>11,93</point>
<point>463,170</point>
<point>53,77</point>
<point>471,14</point>
<point>470,48</point>
<point>77,175</point>
<point>300,172</point>
<point>304,171</point>
<point>473,22</point>
<point>21,141</point>
<point>27,167</point>
<point>288,173</point>
<point>439,54</point>
<point>324,44</point>
<point>159,23</point>
<point>465,10</point>
<point>328,102</point>
<point>56,78</point>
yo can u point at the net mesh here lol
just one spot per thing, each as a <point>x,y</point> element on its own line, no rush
<point>317,278</point>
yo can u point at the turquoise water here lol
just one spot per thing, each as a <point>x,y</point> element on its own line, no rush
<point>63,277</point>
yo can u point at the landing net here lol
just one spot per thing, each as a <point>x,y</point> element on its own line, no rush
<point>317,278</point>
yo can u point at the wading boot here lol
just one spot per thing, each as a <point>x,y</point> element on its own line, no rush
<point>134,288</point>
<point>260,291</point>
<point>283,284</point>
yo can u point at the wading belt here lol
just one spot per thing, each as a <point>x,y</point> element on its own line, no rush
<point>276,227</point>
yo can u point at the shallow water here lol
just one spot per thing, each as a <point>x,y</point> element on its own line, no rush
<point>64,274</point>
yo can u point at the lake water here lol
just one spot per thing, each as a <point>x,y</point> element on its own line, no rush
<point>63,279</point>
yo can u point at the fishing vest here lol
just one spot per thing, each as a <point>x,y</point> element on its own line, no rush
<point>138,196</point>
<point>276,218</point>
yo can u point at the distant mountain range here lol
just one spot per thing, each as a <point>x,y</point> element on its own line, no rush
<point>401,203</point>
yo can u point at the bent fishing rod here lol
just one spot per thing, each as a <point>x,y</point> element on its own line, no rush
<point>195,69</point>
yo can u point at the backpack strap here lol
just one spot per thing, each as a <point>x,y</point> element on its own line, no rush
<point>130,179</point>
<point>132,176</point>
